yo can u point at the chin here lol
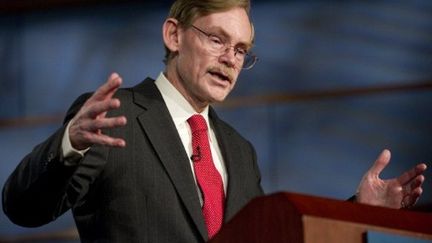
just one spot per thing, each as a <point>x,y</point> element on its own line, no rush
<point>216,94</point>
<point>219,96</point>
<point>219,99</point>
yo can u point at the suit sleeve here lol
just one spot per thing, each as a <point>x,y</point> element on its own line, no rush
<point>35,192</point>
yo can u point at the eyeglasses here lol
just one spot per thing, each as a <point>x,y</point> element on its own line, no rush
<point>218,46</point>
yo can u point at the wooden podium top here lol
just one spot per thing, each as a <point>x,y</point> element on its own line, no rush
<point>282,216</point>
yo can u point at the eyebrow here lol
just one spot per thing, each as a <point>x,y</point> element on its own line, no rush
<point>218,30</point>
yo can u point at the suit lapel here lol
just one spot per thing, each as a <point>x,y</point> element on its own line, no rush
<point>157,124</point>
<point>231,155</point>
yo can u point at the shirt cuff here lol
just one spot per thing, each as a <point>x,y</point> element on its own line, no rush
<point>71,155</point>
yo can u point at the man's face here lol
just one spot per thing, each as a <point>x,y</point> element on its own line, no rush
<point>205,77</point>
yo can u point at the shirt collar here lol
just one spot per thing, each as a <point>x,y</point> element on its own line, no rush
<point>178,106</point>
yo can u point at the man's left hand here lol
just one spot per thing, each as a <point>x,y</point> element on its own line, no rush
<point>400,192</point>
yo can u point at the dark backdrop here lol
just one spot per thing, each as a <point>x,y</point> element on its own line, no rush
<point>336,82</point>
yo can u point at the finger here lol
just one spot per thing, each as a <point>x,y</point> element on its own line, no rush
<point>412,185</point>
<point>103,139</point>
<point>407,176</point>
<point>108,89</point>
<point>417,182</point>
<point>380,163</point>
<point>417,192</point>
<point>101,107</point>
<point>103,123</point>
<point>412,195</point>
<point>412,198</point>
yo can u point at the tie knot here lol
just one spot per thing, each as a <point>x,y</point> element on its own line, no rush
<point>197,123</point>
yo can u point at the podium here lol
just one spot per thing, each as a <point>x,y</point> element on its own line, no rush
<point>297,218</point>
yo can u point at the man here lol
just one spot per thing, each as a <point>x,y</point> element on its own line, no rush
<point>134,165</point>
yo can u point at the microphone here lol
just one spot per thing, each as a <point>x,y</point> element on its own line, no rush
<point>196,157</point>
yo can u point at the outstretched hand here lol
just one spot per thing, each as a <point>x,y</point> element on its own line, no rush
<point>400,192</point>
<point>85,127</point>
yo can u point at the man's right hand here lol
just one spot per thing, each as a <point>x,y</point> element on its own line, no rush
<point>85,128</point>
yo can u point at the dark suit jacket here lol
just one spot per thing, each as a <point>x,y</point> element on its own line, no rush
<point>142,193</point>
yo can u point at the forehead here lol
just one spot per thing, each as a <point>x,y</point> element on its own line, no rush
<point>234,23</point>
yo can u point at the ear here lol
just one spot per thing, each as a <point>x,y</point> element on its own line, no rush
<point>170,34</point>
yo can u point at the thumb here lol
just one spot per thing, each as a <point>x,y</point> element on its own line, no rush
<point>380,163</point>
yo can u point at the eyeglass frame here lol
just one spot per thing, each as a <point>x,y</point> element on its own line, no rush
<point>226,47</point>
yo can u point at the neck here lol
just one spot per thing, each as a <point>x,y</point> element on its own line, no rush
<point>179,84</point>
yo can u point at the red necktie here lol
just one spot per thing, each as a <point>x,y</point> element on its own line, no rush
<point>208,178</point>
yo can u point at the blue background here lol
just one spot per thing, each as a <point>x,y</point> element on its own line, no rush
<point>319,144</point>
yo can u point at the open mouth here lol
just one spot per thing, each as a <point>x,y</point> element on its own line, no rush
<point>220,76</point>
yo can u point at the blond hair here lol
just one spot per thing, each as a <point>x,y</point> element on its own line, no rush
<point>187,11</point>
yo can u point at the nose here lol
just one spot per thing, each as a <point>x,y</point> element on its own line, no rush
<point>228,57</point>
